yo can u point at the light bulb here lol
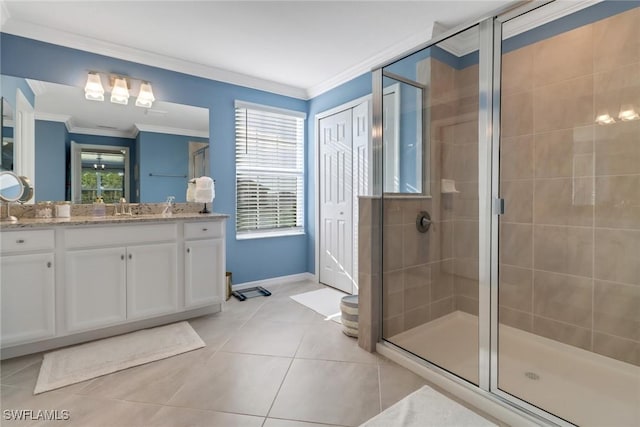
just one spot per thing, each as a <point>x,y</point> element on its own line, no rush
<point>93,90</point>
<point>120,93</point>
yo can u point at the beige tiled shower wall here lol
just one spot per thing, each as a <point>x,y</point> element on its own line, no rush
<point>570,236</point>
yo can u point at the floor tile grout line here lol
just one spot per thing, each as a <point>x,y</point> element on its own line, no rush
<point>19,370</point>
<point>284,378</point>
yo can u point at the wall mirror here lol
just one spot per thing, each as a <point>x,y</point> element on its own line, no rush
<point>405,149</point>
<point>6,162</point>
<point>161,146</point>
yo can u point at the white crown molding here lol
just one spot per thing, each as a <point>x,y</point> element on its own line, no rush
<point>132,133</point>
<point>75,41</point>
<point>548,13</point>
<point>52,117</point>
<point>170,131</point>
<point>467,42</point>
<point>367,65</point>
<point>103,132</point>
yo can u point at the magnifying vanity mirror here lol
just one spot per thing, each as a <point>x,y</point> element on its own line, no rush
<point>13,188</point>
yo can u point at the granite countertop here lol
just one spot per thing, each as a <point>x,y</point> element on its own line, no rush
<point>112,219</point>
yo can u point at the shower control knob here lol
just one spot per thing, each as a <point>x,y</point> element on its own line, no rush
<point>423,221</point>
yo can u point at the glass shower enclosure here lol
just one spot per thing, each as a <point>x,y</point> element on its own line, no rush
<point>519,136</point>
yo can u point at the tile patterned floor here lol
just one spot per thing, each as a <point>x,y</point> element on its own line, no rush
<point>269,362</point>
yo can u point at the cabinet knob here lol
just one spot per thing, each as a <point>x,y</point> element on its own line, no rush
<point>122,257</point>
<point>130,256</point>
<point>188,250</point>
<point>205,229</point>
<point>49,264</point>
<point>20,241</point>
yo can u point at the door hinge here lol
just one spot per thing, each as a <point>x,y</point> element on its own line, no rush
<point>498,206</point>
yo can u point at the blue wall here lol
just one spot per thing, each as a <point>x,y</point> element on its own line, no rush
<point>9,85</point>
<point>163,154</point>
<point>51,160</point>
<point>248,259</point>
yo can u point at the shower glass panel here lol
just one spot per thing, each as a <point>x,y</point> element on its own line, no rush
<point>569,275</point>
<point>430,280</point>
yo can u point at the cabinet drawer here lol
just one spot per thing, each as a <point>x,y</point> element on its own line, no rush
<point>32,240</point>
<point>120,235</point>
<point>203,230</point>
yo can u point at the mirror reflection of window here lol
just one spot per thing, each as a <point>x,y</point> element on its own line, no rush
<point>103,175</point>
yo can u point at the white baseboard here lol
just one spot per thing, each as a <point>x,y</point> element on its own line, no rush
<point>274,281</point>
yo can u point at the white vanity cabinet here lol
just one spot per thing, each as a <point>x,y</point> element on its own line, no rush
<point>114,283</point>
<point>27,280</point>
<point>67,282</point>
<point>95,288</point>
<point>204,263</point>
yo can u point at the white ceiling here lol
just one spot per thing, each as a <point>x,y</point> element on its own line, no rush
<point>297,48</point>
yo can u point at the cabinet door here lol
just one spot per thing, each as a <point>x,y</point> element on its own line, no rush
<point>95,288</point>
<point>27,298</point>
<point>151,280</point>
<point>204,272</point>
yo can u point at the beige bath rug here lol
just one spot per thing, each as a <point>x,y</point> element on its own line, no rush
<point>82,362</point>
<point>427,408</point>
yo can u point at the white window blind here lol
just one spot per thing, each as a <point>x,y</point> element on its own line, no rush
<point>269,171</point>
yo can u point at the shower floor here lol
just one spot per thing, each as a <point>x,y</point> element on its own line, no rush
<point>583,387</point>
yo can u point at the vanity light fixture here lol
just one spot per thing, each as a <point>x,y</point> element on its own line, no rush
<point>93,90</point>
<point>145,96</point>
<point>120,92</point>
<point>628,113</point>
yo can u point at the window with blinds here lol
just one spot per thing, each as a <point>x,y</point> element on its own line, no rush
<point>269,171</point>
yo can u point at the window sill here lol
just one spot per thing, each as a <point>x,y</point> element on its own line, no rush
<point>268,234</point>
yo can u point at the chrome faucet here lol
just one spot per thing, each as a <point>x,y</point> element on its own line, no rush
<point>123,208</point>
<point>168,206</point>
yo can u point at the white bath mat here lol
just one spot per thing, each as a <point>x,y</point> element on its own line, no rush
<point>425,408</point>
<point>324,301</point>
<point>82,362</point>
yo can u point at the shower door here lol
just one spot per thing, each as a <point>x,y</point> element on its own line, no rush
<point>568,283</point>
<point>430,295</point>
<point>520,137</point>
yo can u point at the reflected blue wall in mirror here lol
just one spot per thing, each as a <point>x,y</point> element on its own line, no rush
<point>162,155</point>
<point>51,160</point>
<point>9,85</point>
<point>44,61</point>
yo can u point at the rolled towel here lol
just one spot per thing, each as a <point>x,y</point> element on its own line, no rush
<point>204,183</point>
<point>204,196</point>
